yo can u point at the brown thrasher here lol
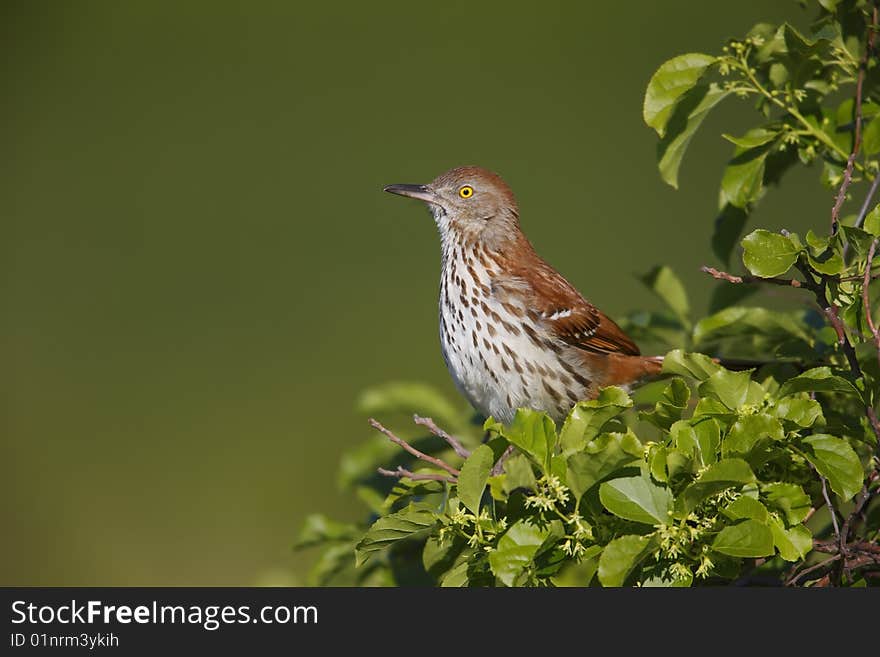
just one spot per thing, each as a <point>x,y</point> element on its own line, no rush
<point>514,332</point>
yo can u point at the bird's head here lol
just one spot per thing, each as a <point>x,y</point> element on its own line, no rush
<point>468,203</point>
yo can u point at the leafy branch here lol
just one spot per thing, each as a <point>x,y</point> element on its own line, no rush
<point>711,476</point>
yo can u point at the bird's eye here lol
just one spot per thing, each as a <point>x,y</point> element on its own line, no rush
<point>466,191</point>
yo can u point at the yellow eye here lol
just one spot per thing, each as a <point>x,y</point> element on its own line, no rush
<point>466,192</point>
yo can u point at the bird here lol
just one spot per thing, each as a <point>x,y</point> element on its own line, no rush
<point>514,333</point>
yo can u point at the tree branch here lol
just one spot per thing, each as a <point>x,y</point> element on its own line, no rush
<point>498,468</point>
<point>857,139</point>
<point>866,205</point>
<point>454,443</point>
<point>793,579</point>
<point>862,500</point>
<point>866,296</point>
<point>832,315</point>
<point>831,510</point>
<point>412,450</point>
<point>731,278</point>
<point>400,472</point>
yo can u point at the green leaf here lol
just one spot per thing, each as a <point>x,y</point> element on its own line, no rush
<point>789,499</point>
<point>709,406</point>
<point>768,254</point>
<point>831,263</point>
<point>516,549</point>
<point>859,239</point>
<point>674,77</point>
<point>743,179</point>
<point>793,544</point>
<point>392,528</point>
<point>693,365</point>
<point>871,137</point>
<point>684,438</point>
<point>669,410</point>
<point>744,507</point>
<point>817,243</point>
<point>818,379</point>
<point>727,473</point>
<point>586,419</point>
<point>580,573</point>
<point>803,411</point>
<point>678,463</point>
<point>657,463</point>
<point>708,434</point>
<point>656,581</point>
<point>438,558</point>
<point>408,488</point>
<point>748,538</point>
<point>621,556</point>
<point>872,221</point>
<point>519,474</point>
<point>802,48</point>
<point>753,138</point>
<point>749,431</point>
<point>663,282</point>
<point>637,499</point>
<point>837,462</point>
<point>689,114</point>
<point>408,398</point>
<point>737,321</point>
<point>457,577</point>
<point>601,458</point>
<point>535,434</point>
<point>473,477</point>
<point>730,388</point>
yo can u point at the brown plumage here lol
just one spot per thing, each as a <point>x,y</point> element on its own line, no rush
<point>514,332</point>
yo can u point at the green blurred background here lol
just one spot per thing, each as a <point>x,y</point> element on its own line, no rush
<point>200,271</point>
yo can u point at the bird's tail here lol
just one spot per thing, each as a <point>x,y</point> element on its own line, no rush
<point>627,370</point>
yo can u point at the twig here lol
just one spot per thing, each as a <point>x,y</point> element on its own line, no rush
<point>862,500</point>
<point>866,297</point>
<point>796,576</point>
<point>400,472</point>
<point>412,450</point>
<point>454,443</point>
<point>831,510</point>
<point>857,139</point>
<point>858,277</point>
<point>864,548</point>
<point>832,313</point>
<point>819,289</point>
<point>863,212</point>
<point>498,468</point>
<point>872,418</point>
<point>732,278</point>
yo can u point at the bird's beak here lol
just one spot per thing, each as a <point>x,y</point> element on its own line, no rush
<point>421,192</point>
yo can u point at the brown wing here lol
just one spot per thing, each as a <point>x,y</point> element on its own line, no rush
<point>589,329</point>
<point>553,301</point>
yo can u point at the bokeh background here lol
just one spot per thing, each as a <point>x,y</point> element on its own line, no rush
<point>200,271</point>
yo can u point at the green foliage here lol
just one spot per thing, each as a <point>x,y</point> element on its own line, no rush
<point>656,503</point>
<point>793,79</point>
<point>715,471</point>
<point>769,254</point>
